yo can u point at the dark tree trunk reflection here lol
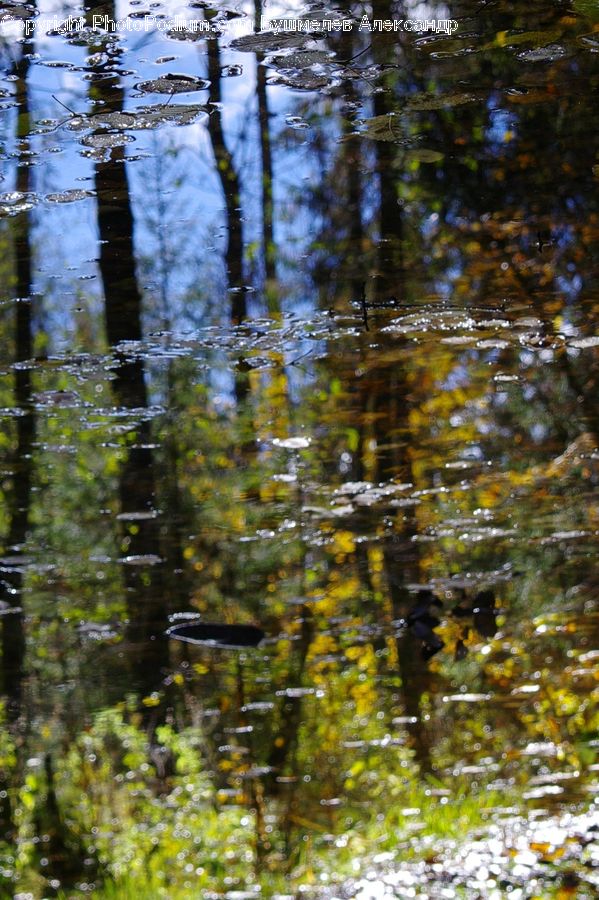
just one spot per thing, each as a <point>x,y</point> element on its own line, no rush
<point>400,551</point>
<point>390,263</point>
<point>11,583</point>
<point>140,539</point>
<point>19,499</point>
<point>268,241</point>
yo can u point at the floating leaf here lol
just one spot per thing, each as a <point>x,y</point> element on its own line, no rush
<point>216,635</point>
<point>589,42</point>
<point>438,101</point>
<point>141,559</point>
<point>96,631</point>
<point>270,40</point>
<point>383,128</point>
<point>515,95</point>
<point>302,60</point>
<point>306,80</point>
<point>186,34</point>
<point>173,84</point>
<point>292,443</point>
<point>142,119</point>
<point>466,698</point>
<point>544,54</point>
<point>14,202</point>
<point>534,38</point>
<point>69,196</point>
<point>582,343</point>
<point>137,516</point>
<point>424,155</point>
<point>106,141</point>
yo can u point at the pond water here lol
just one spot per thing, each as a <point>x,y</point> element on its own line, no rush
<point>299,364</point>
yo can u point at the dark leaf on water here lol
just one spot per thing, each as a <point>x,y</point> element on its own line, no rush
<point>484,619</point>
<point>421,623</point>
<point>421,608</point>
<point>460,612</point>
<point>485,623</point>
<point>387,127</point>
<point>424,155</point>
<point>461,651</point>
<point>217,635</point>
<point>172,84</point>
<point>301,60</point>
<point>143,118</point>
<point>429,648</point>
<point>484,600</point>
<point>271,40</point>
<point>423,627</point>
<point>426,101</point>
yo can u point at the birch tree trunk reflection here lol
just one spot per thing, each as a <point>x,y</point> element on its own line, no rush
<point>229,180</point>
<point>230,184</point>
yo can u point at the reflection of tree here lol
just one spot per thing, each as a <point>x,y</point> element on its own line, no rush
<point>386,394</point>
<point>11,583</point>
<point>350,164</point>
<point>268,243</point>
<point>140,542</point>
<point>391,233</point>
<point>19,498</point>
<point>390,406</point>
<point>285,738</point>
<point>161,264</point>
<point>229,180</point>
<point>231,188</point>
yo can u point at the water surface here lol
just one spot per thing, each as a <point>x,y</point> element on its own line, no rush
<point>299,332</point>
